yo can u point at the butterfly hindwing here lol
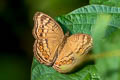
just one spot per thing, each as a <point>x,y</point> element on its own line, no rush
<point>72,53</point>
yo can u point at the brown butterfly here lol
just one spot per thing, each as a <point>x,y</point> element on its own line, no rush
<point>53,48</point>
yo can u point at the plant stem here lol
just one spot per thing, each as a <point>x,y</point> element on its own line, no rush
<point>102,55</point>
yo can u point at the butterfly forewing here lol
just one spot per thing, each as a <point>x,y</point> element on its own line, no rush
<point>48,35</point>
<point>72,53</point>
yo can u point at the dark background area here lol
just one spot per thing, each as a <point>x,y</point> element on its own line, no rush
<point>16,40</point>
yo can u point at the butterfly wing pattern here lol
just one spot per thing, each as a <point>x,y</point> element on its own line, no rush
<point>74,50</point>
<point>53,48</point>
<point>49,36</point>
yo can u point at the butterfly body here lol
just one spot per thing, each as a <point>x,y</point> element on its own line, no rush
<point>53,48</point>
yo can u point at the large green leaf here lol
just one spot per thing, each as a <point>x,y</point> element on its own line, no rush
<point>106,2</point>
<point>80,21</point>
<point>42,72</point>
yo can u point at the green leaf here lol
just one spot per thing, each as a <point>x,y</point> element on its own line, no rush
<point>106,2</point>
<point>42,72</point>
<point>81,20</point>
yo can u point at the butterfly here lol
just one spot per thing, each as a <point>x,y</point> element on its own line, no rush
<point>53,48</point>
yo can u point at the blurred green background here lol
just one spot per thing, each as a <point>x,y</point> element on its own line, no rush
<point>16,40</point>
